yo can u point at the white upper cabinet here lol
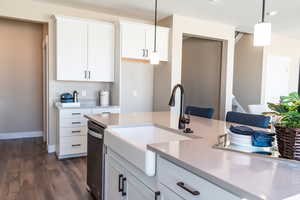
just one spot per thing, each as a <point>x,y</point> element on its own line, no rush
<point>138,41</point>
<point>84,50</point>
<point>162,42</point>
<point>101,51</point>
<point>133,40</point>
<point>71,52</point>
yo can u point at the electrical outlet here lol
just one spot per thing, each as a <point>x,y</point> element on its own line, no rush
<point>134,93</point>
<point>83,93</point>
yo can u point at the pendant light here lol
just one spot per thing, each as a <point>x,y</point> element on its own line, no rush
<point>154,57</point>
<point>262,30</point>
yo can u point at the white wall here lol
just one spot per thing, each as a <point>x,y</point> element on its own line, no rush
<point>284,47</point>
<point>38,11</point>
<point>210,30</point>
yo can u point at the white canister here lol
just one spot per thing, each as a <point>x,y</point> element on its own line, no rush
<point>104,98</point>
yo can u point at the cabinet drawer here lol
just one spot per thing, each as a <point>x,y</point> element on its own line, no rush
<point>73,145</point>
<point>73,123</point>
<point>188,185</point>
<point>67,132</point>
<point>74,113</point>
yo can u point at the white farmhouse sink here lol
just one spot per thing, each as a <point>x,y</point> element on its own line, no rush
<point>131,143</point>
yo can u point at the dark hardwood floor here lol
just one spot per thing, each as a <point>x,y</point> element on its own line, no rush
<point>28,172</point>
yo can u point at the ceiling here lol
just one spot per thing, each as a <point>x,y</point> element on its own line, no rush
<point>241,13</point>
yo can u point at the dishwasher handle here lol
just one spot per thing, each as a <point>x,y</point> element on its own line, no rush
<point>94,134</point>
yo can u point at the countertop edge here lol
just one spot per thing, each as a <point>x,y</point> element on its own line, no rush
<point>215,180</point>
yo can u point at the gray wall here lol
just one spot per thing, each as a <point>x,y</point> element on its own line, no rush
<point>247,78</point>
<point>136,87</point>
<point>21,86</point>
<point>201,72</point>
<point>162,86</point>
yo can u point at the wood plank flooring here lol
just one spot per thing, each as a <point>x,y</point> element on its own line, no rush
<point>28,172</point>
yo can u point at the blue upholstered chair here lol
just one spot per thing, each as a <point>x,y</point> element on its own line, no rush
<point>260,121</point>
<point>200,112</point>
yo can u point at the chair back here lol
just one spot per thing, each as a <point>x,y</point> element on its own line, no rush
<point>260,121</point>
<point>200,112</point>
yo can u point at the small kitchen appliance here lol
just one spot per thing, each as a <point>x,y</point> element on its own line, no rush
<point>104,98</point>
<point>66,98</point>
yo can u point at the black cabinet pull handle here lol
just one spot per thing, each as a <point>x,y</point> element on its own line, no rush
<point>120,179</point>
<point>76,131</point>
<point>76,113</point>
<point>123,187</point>
<point>76,122</point>
<point>76,145</point>
<point>157,194</point>
<point>188,189</point>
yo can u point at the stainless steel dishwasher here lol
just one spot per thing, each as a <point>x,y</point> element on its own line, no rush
<point>95,160</point>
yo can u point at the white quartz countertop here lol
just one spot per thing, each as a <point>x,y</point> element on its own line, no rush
<point>86,106</point>
<point>251,177</point>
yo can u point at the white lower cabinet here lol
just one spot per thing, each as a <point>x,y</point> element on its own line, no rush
<point>114,174</point>
<point>72,130</point>
<point>178,183</point>
<point>137,190</point>
<point>121,184</point>
<point>167,194</point>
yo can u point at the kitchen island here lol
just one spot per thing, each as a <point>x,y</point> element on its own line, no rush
<point>231,174</point>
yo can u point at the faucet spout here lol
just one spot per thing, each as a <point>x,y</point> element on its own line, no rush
<point>182,120</point>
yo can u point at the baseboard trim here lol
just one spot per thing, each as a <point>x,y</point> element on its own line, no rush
<point>19,135</point>
<point>51,148</point>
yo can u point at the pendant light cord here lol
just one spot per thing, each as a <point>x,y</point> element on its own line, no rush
<point>155,27</point>
<point>263,11</point>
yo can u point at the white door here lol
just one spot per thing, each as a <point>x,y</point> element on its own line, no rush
<point>101,50</point>
<point>162,42</point>
<point>133,40</point>
<point>137,190</point>
<point>168,194</point>
<point>114,173</point>
<point>71,49</point>
<point>277,78</point>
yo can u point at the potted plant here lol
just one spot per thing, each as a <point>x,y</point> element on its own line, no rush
<point>287,125</point>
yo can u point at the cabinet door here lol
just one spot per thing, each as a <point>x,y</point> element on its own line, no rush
<point>113,176</point>
<point>133,40</point>
<point>101,47</point>
<point>136,190</point>
<point>162,42</point>
<point>71,52</point>
<point>167,194</point>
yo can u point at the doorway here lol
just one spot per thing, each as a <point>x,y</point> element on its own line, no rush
<point>22,79</point>
<point>201,72</point>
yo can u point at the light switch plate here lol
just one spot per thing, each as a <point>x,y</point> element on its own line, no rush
<point>83,93</point>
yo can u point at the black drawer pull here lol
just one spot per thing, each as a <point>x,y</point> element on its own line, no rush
<point>76,145</point>
<point>76,113</point>
<point>76,131</point>
<point>157,194</point>
<point>76,122</point>
<point>188,189</point>
<point>120,179</point>
<point>123,187</point>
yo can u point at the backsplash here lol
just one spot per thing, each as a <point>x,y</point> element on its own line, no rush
<point>91,89</point>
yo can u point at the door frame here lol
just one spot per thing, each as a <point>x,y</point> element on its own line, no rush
<point>45,47</point>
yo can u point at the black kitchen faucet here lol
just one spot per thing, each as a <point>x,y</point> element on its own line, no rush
<point>182,119</point>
